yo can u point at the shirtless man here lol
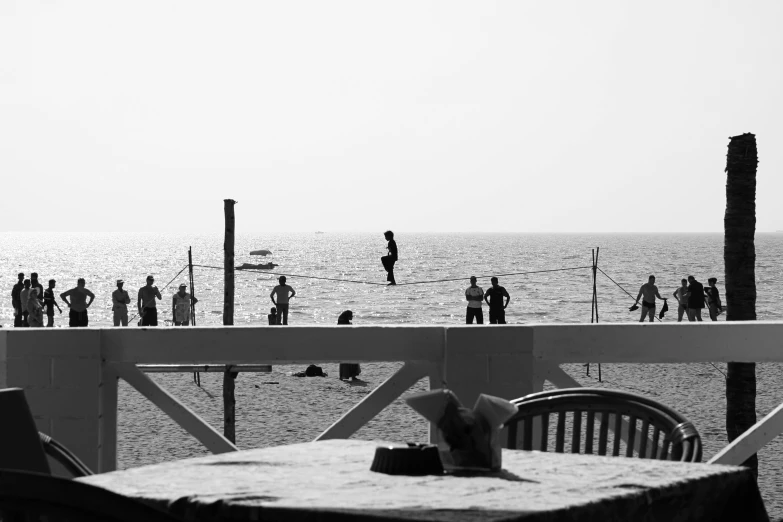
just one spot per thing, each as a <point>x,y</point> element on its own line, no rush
<point>78,303</point>
<point>650,292</point>
<point>282,291</point>
<point>146,303</point>
<point>681,295</point>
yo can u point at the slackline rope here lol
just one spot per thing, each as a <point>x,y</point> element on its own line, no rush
<point>165,287</point>
<point>398,284</point>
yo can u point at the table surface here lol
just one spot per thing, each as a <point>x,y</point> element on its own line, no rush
<point>331,480</point>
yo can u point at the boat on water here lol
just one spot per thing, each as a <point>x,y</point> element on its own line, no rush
<point>264,266</point>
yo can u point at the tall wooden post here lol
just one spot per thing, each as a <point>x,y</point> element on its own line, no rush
<point>229,402</point>
<point>739,256</point>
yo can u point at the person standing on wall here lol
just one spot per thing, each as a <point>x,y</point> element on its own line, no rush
<point>494,299</point>
<point>475,296</point>
<point>695,299</point>
<point>50,303</point>
<point>181,306</point>
<point>146,304</point>
<point>388,261</point>
<point>282,291</point>
<point>78,304</point>
<point>120,299</point>
<point>16,300</point>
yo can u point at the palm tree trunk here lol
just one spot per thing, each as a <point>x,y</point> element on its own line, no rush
<point>739,255</point>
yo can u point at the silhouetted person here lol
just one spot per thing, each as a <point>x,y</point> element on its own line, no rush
<point>713,298</point>
<point>16,300</point>
<point>681,294</point>
<point>34,309</point>
<point>24,295</point>
<point>78,304</point>
<point>348,370</point>
<point>695,299</point>
<point>181,306</point>
<point>494,298</point>
<point>650,292</point>
<point>34,283</point>
<point>148,308</point>
<point>49,303</point>
<point>388,261</point>
<point>282,291</point>
<point>120,299</point>
<point>475,296</point>
<point>272,316</point>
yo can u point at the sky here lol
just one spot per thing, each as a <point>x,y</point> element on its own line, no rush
<point>418,116</point>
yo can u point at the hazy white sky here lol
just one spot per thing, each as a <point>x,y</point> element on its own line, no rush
<point>416,116</point>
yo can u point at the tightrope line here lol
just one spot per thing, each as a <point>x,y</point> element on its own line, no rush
<point>165,287</point>
<point>261,271</point>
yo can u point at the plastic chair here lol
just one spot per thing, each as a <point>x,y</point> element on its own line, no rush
<point>673,437</point>
<point>24,495</point>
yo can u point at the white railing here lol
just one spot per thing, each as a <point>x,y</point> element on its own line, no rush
<point>61,366</point>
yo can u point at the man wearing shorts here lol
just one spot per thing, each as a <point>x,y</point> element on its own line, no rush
<point>474,296</point>
<point>78,303</point>
<point>649,291</point>
<point>494,298</point>
<point>282,292</point>
<point>120,299</point>
<point>681,295</point>
<point>50,303</point>
<point>695,299</point>
<point>146,303</point>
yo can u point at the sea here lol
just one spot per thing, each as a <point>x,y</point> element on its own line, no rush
<point>547,275</point>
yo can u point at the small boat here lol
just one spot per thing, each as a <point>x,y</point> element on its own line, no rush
<point>318,232</point>
<point>265,266</point>
<point>260,252</point>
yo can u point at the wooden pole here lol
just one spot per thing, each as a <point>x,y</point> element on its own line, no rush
<point>595,296</point>
<point>196,375</point>
<point>229,402</point>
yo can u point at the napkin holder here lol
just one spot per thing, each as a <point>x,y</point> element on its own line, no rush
<point>468,440</point>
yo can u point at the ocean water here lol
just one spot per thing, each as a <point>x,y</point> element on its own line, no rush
<point>562,296</point>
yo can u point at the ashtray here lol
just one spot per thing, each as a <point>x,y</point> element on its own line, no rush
<point>413,459</point>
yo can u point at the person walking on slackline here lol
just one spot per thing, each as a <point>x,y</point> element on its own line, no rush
<point>388,261</point>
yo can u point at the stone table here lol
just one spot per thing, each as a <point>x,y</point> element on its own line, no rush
<point>331,480</point>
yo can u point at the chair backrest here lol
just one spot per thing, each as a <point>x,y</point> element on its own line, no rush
<point>37,495</point>
<point>627,424</point>
<point>20,446</point>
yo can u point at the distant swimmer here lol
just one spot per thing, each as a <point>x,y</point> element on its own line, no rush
<point>475,296</point>
<point>695,299</point>
<point>181,305</point>
<point>681,295</point>
<point>120,299</point>
<point>494,298</point>
<point>78,304</point>
<point>348,370</point>
<point>388,261</point>
<point>282,292</point>
<point>49,303</point>
<point>649,291</point>
<point>148,309</point>
<point>713,299</point>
